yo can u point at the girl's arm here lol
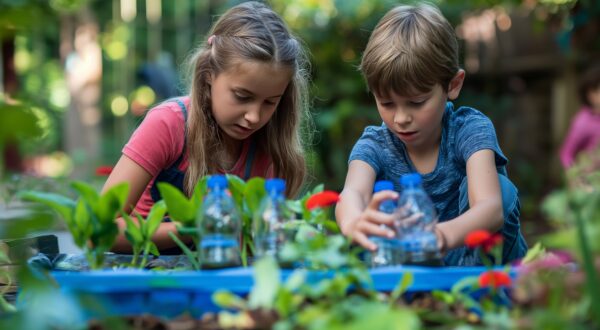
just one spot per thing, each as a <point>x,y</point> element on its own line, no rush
<point>357,213</point>
<point>485,202</point>
<point>138,178</point>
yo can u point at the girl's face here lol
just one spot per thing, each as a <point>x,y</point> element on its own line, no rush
<point>245,96</point>
<point>417,120</point>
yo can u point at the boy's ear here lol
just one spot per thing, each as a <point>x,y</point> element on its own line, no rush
<point>456,84</point>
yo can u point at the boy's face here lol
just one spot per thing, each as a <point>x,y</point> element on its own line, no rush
<point>415,120</point>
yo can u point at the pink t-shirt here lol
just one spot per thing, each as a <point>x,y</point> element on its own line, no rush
<point>583,135</point>
<point>158,142</point>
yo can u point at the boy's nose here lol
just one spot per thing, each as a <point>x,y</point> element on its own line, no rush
<point>402,117</point>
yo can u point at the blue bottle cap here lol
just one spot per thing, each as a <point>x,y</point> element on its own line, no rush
<point>410,180</point>
<point>383,185</point>
<point>218,180</point>
<point>276,186</point>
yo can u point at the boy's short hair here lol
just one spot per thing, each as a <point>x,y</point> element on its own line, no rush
<point>589,81</point>
<point>411,49</point>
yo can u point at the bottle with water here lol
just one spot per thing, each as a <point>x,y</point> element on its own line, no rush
<point>387,251</point>
<point>220,226</point>
<point>269,220</point>
<point>416,221</point>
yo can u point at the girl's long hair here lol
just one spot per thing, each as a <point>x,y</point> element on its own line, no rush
<point>250,31</point>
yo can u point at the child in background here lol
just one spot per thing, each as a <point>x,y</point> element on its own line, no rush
<point>242,116</point>
<point>411,66</point>
<point>584,133</point>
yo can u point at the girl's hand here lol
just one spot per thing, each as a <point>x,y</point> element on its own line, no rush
<point>370,222</point>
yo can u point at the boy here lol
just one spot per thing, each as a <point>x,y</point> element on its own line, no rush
<point>411,67</point>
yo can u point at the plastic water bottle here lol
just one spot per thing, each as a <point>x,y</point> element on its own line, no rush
<point>418,238</point>
<point>220,227</point>
<point>386,253</point>
<point>269,235</point>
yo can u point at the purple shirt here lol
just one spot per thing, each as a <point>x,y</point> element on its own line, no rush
<point>584,135</point>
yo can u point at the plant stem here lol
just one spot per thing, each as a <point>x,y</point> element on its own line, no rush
<point>135,257</point>
<point>588,263</point>
<point>186,251</point>
<point>145,255</point>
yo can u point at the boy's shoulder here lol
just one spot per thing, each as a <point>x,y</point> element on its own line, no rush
<point>377,134</point>
<point>465,116</point>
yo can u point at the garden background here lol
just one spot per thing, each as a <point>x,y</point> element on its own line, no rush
<point>78,75</point>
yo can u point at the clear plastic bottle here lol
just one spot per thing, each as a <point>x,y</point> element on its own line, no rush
<point>220,226</point>
<point>269,220</point>
<point>387,252</point>
<point>418,239</point>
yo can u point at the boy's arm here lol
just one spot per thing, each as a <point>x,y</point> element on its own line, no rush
<point>485,202</point>
<point>356,212</point>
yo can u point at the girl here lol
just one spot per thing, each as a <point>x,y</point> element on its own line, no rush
<point>242,116</point>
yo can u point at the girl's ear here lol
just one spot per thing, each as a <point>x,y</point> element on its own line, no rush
<point>456,84</point>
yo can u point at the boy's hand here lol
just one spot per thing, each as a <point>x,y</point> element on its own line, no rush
<point>370,220</point>
<point>441,240</point>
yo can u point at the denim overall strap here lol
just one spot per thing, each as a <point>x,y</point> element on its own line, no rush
<point>250,160</point>
<point>172,174</point>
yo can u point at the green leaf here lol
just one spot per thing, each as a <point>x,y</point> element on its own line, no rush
<point>153,249</point>
<point>88,193</point>
<point>17,121</point>
<point>407,280</point>
<point>296,279</point>
<point>199,192</point>
<point>226,299</point>
<point>534,253</point>
<point>132,231</point>
<point>112,202</point>
<point>61,204</point>
<point>267,278</point>
<point>154,219</point>
<point>4,258</point>
<point>82,228</point>
<point>180,208</point>
<point>237,187</point>
<point>254,194</point>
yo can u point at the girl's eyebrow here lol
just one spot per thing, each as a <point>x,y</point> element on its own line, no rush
<point>243,90</point>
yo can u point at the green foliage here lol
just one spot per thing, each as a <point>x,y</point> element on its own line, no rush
<point>577,210</point>
<point>90,219</point>
<point>139,233</point>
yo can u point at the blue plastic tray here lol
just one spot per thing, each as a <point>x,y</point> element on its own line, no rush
<point>172,293</point>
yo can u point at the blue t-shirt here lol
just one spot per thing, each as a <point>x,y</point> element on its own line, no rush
<point>464,132</point>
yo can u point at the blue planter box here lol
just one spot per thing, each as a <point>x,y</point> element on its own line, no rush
<point>172,293</point>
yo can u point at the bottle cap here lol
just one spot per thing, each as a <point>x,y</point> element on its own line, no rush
<point>411,180</point>
<point>383,185</point>
<point>215,181</point>
<point>276,186</point>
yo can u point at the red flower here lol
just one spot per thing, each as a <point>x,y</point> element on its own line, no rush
<point>484,239</point>
<point>494,279</point>
<point>322,199</point>
<point>477,238</point>
<point>103,170</point>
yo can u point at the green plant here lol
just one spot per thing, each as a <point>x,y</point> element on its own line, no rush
<point>187,212</point>
<point>576,210</point>
<point>342,300</point>
<point>139,233</point>
<point>90,219</point>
